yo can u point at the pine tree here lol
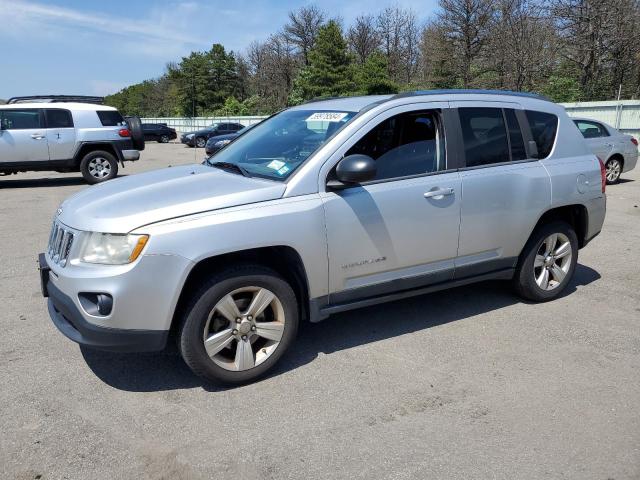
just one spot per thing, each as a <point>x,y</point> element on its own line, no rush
<point>330,71</point>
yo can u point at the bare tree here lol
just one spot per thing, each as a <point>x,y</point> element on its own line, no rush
<point>302,29</point>
<point>468,25</point>
<point>363,38</point>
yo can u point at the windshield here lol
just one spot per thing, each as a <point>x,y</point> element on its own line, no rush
<point>277,146</point>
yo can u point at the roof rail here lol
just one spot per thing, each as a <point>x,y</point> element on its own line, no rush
<point>57,99</point>
<point>458,91</point>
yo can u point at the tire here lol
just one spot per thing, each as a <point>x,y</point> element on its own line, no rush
<point>529,279</point>
<point>137,135</point>
<point>98,166</point>
<point>225,362</point>
<point>201,142</point>
<point>163,139</point>
<point>613,170</point>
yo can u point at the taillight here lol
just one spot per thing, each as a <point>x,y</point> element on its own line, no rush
<point>603,174</point>
<point>634,141</point>
<point>124,132</point>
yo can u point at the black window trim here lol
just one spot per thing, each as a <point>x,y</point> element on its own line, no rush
<point>41,117</point>
<point>46,118</point>
<point>443,113</point>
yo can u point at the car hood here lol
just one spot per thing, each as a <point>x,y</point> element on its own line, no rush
<point>121,205</point>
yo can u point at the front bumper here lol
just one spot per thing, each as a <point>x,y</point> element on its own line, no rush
<point>130,155</point>
<point>143,302</point>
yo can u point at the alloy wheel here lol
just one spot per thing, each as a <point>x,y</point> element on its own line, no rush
<point>244,328</point>
<point>614,169</point>
<point>553,261</point>
<point>99,167</point>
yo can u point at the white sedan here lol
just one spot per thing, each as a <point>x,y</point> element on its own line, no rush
<point>617,150</point>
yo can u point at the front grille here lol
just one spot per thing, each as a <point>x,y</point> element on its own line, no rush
<point>60,242</point>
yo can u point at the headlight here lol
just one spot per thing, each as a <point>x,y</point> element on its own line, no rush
<point>112,249</point>
<point>221,143</point>
<point>189,136</point>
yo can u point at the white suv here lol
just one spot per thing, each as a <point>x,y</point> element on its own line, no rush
<point>66,134</point>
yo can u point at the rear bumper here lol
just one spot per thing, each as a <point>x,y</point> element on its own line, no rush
<point>68,319</point>
<point>596,211</point>
<point>130,155</point>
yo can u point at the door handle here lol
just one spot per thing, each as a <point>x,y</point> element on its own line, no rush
<point>37,136</point>
<point>439,193</point>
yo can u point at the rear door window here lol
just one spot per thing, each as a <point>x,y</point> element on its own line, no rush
<point>591,129</point>
<point>110,118</point>
<point>57,118</point>
<point>544,127</point>
<point>20,119</point>
<point>484,136</point>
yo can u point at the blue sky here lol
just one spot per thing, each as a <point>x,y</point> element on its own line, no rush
<point>96,48</point>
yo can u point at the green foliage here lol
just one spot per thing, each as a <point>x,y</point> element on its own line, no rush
<point>562,88</point>
<point>330,72</point>
<point>372,77</point>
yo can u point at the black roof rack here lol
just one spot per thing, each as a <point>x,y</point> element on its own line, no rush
<point>471,92</point>
<point>57,99</point>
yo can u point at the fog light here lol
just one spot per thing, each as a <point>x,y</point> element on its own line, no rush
<point>96,304</point>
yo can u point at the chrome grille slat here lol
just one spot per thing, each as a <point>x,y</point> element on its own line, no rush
<point>60,243</point>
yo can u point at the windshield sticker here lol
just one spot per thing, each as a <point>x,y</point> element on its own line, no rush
<point>283,170</point>
<point>327,117</point>
<point>276,164</point>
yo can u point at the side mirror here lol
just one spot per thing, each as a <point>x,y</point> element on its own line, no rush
<point>355,169</point>
<point>533,149</point>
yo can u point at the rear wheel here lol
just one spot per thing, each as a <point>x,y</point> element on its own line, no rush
<point>613,170</point>
<point>98,166</point>
<point>239,324</point>
<point>547,262</point>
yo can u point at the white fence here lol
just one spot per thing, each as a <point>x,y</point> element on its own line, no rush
<point>624,115</point>
<point>185,124</point>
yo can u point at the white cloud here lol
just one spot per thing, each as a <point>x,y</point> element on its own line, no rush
<point>36,15</point>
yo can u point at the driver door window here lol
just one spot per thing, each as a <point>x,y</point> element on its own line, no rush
<point>407,144</point>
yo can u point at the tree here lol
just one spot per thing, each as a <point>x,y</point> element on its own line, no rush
<point>372,77</point>
<point>467,24</point>
<point>329,72</point>
<point>363,38</point>
<point>302,29</point>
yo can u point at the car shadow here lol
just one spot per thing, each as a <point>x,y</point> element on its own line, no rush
<point>623,180</point>
<point>45,182</point>
<point>167,371</point>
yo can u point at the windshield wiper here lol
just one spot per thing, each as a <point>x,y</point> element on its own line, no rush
<point>231,166</point>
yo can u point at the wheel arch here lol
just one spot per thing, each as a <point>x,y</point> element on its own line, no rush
<point>283,259</point>
<point>617,156</point>
<point>86,148</point>
<point>575,215</point>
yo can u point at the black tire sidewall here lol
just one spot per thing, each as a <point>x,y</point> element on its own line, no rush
<point>524,278</point>
<point>190,340</point>
<point>84,166</point>
<point>200,139</point>
<point>164,139</point>
<point>137,134</point>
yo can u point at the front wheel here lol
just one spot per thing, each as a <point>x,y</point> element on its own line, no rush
<point>98,166</point>
<point>201,142</point>
<point>164,139</point>
<point>613,170</point>
<point>238,325</point>
<point>547,262</point>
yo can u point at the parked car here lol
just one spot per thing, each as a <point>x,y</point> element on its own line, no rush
<point>158,132</point>
<point>322,208</point>
<point>67,134</point>
<point>215,144</point>
<point>617,150</point>
<point>199,138</point>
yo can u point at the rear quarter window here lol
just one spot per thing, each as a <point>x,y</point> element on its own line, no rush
<point>110,118</point>
<point>544,127</point>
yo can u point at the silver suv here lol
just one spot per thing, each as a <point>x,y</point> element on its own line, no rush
<point>324,207</point>
<point>66,134</point>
